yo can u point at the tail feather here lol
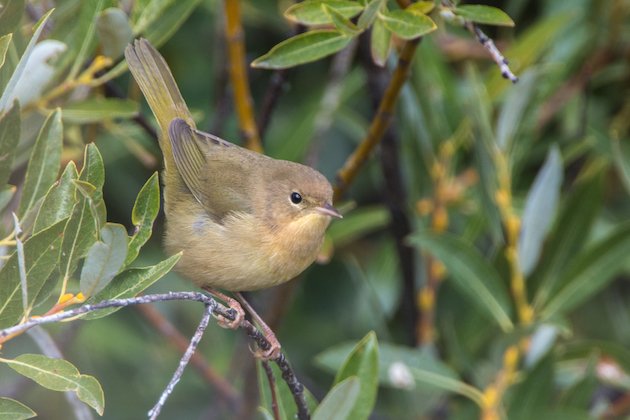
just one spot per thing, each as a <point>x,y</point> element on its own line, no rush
<point>156,82</point>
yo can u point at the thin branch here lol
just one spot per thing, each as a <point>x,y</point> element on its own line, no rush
<point>174,337</point>
<point>272,389</point>
<point>496,55</point>
<point>194,342</point>
<point>381,120</point>
<point>235,39</point>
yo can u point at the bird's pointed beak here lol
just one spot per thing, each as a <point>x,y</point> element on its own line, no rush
<point>329,210</point>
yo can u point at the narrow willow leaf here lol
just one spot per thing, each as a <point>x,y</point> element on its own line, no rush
<point>104,259</point>
<point>79,235</point>
<point>82,43</point>
<point>368,17</point>
<point>484,14</point>
<point>144,212</point>
<point>471,274</point>
<point>540,209</point>
<point>93,170</point>
<point>114,31</point>
<point>41,254</point>
<point>303,48</point>
<point>511,114</point>
<point>380,43</point>
<point>5,99</point>
<point>422,7</point>
<point>59,200</point>
<point>342,24</point>
<point>94,198</point>
<point>362,362</point>
<point>357,224</point>
<point>14,410</point>
<point>590,271</point>
<point>5,41</point>
<point>168,21</point>
<point>131,282</point>
<point>59,375</point>
<point>574,222</point>
<point>407,25</point>
<point>621,156</point>
<point>310,12</point>
<point>6,194</point>
<point>9,136</point>
<point>44,164</point>
<point>340,400</point>
<point>10,16</point>
<point>98,109</point>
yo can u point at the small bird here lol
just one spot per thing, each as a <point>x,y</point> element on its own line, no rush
<point>244,221</point>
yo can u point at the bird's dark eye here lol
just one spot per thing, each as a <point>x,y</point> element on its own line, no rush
<point>296,198</point>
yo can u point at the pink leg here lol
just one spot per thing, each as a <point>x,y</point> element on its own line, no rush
<point>274,350</point>
<point>232,304</point>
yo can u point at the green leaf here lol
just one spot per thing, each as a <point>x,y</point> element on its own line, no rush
<point>14,410</point>
<point>93,170</point>
<point>310,12</point>
<point>5,41</point>
<point>407,25</point>
<point>339,401</point>
<point>284,396</point>
<point>9,136</point>
<point>590,271</point>
<point>144,212</point>
<point>159,27</point>
<point>94,198</point>
<point>511,114</point>
<point>79,235</point>
<point>540,209</point>
<point>8,94</point>
<point>59,375</point>
<point>621,156</point>
<point>470,273</point>
<point>82,42</point>
<point>357,224</point>
<point>6,194</point>
<point>98,109</point>
<point>534,392</point>
<point>362,363</point>
<point>41,253</point>
<point>405,368</point>
<point>421,7</point>
<point>484,14</point>
<point>44,163</point>
<point>104,259</point>
<point>368,17</point>
<point>342,24</point>
<point>114,31</point>
<point>573,224</point>
<point>303,48</point>
<point>11,16</point>
<point>380,43</point>
<point>59,199</point>
<point>131,282</point>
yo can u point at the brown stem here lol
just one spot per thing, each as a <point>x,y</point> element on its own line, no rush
<point>272,389</point>
<point>381,120</point>
<point>235,39</point>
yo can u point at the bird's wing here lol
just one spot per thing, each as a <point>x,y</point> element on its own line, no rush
<point>218,173</point>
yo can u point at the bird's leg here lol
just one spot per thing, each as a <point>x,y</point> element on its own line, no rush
<point>274,345</point>
<point>233,305</point>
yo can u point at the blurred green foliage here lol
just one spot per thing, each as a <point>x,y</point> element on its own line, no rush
<point>515,301</point>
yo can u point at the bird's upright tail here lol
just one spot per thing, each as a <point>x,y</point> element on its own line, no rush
<point>152,74</point>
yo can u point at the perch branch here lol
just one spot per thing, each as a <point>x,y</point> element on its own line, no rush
<point>194,342</point>
<point>238,74</point>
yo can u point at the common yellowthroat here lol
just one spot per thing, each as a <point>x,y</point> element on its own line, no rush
<point>243,220</point>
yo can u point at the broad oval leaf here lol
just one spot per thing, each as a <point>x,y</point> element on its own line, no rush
<point>44,163</point>
<point>104,259</point>
<point>484,14</point>
<point>59,200</point>
<point>368,17</point>
<point>41,254</point>
<point>10,124</point>
<point>14,410</point>
<point>342,24</point>
<point>590,271</point>
<point>470,273</point>
<point>362,362</point>
<point>339,401</point>
<point>114,31</point>
<point>131,282</point>
<point>310,12</point>
<point>8,93</point>
<point>98,109</point>
<point>380,43</point>
<point>540,208</point>
<point>303,48</point>
<point>407,25</point>
<point>144,212</point>
<point>59,375</point>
